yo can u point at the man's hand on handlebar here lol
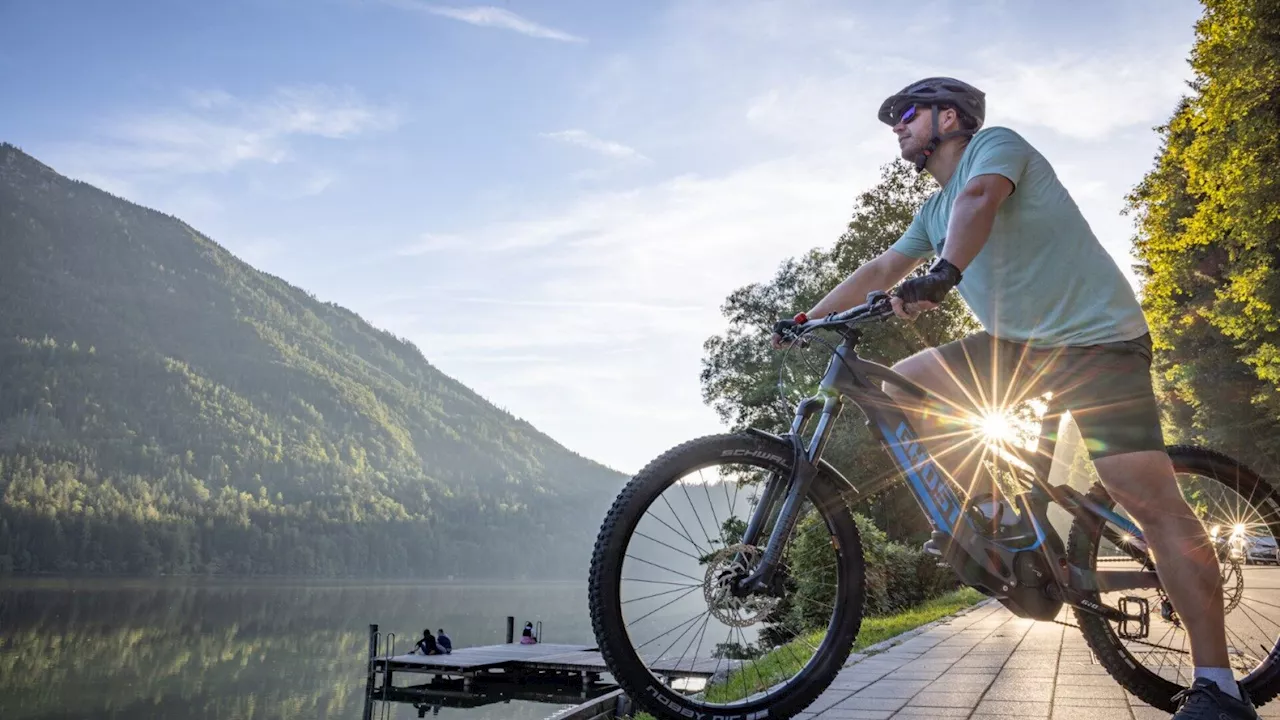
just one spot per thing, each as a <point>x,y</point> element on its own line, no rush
<point>909,311</point>
<point>923,293</point>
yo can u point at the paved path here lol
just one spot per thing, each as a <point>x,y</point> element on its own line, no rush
<point>986,664</point>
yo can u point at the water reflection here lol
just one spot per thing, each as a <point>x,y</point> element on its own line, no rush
<point>429,699</point>
<point>216,649</point>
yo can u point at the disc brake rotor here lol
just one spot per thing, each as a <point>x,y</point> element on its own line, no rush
<point>724,568</point>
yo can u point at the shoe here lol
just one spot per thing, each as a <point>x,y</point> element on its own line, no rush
<point>1204,700</point>
<point>997,516</point>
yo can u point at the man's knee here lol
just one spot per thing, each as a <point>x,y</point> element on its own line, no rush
<point>1144,484</point>
<point>919,369</point>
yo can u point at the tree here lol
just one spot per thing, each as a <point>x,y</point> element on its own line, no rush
<point>740,371</point>
<point>1208,239</point>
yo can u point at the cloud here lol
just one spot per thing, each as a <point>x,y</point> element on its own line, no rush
<point>488,16</point>
<point>430,243</point>
<point>768,120</point>
<point>1087,97</point>
<point>216,132</point>
<point>584,139</point>
<point>317,182</point>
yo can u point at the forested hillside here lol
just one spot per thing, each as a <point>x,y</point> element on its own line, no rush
<point>165,407</point>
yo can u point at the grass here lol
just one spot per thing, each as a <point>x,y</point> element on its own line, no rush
<point>783,662</point>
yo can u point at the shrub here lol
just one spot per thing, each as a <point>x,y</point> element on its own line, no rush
<point>899,576</point>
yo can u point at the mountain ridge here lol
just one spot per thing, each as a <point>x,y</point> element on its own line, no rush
<point>255,386</point>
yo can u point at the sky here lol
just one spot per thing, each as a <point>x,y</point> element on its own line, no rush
<point>553,199</point>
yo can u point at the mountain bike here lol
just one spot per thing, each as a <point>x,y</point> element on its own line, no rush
<point>774,589</point>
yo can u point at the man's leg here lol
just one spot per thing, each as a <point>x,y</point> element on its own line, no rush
<point>1143,484</point>
<point>1110,396</point>
<point>960,374</point>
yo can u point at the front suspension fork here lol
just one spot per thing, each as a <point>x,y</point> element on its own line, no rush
<point>794,488</point>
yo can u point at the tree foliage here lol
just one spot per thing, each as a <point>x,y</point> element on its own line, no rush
<point>165,407</point>
<point>740,371</point>
<point>1208,240</point>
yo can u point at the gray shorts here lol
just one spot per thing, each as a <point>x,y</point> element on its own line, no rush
<point>1107,388</point>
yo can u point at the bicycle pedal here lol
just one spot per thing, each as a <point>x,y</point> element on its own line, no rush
<point>1142,618</point>
<point>936,544</point>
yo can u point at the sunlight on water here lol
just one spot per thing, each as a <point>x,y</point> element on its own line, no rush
<point>246,649</point>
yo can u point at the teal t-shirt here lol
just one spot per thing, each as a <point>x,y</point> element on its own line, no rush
<point>1042,277</point>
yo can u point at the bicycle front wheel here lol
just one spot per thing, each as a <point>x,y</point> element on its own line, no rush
<point>673,635</point>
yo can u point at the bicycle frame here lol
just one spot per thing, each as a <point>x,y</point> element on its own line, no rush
<point>850,376</point>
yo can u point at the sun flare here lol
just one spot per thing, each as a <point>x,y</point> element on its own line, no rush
<point>997,427</point>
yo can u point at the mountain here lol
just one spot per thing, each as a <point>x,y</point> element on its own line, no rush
<point>166,408</point>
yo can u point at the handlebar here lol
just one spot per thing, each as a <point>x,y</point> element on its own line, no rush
<point>875,309</point>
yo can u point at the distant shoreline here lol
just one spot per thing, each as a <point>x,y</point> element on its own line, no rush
<point>54,579</point>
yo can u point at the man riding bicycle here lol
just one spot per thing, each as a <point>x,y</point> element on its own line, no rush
<point>1058,317</point>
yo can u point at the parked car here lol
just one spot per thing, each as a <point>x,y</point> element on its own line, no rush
<point>1262,550</point>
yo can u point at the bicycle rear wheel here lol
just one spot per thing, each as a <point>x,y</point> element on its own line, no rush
<point>1230,497</point>
<point>673,636</point>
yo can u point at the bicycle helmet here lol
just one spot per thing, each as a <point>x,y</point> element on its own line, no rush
<point>938,92</point>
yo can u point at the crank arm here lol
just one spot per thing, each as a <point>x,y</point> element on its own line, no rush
<point>1093,608</point>
<point>1113,580</point>
<point>1117,580</point>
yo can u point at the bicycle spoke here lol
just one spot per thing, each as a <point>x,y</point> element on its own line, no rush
<point>646,597</point>
<point>695,557</point>
<point>661,582</point>
<point>646,562</point>
<point>685,594</point>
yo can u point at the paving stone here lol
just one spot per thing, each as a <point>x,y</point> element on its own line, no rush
<point>1041,674</point>
<point>932,712</point>
<point>1068,712</point>
<point>1092,690</point>
<point>1020,690</point>
<point>872,703</point>
<point>893,688</point>
<point>1028,710</point>
<point>1032,660</point>
<point>835,714</point>
<point>1059,701</point>
<point>947,698</point>
<point>966,681</point>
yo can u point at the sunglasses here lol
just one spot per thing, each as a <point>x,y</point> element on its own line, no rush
<point>908,114</point>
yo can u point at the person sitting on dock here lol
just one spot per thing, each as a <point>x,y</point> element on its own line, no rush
<point>444,643</point>
<point>526,637</point>
<point>427,645</point>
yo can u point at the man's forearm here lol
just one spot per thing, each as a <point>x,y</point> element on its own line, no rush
<point>851,291</point>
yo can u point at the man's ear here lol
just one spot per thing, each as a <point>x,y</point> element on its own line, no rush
<point>949,120</point>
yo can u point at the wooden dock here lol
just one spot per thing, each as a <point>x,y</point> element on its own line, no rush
<point>513,660</point>
<point>487,674</point>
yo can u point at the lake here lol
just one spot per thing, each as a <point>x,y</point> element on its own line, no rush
<point>167,648</point>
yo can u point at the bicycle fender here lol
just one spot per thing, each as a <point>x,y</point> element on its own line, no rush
<point>823,465</point>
